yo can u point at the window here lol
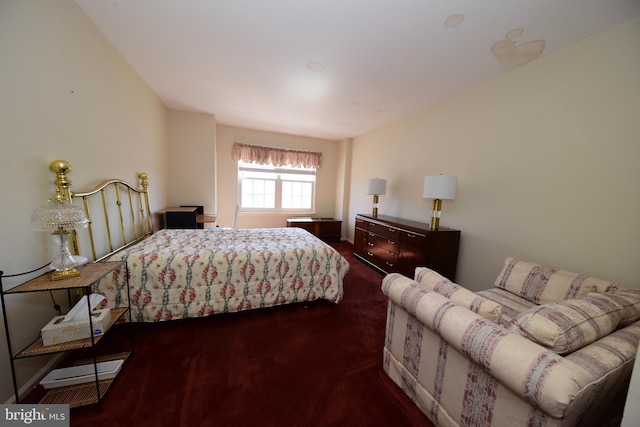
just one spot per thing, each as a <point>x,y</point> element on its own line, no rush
<point>267,188</point>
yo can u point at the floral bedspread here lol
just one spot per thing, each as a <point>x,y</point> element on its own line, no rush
<point>176,274</point>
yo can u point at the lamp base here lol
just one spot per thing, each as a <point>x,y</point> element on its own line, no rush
<point>375,206</point>
<point>435,215</point>
<point>64,274</point>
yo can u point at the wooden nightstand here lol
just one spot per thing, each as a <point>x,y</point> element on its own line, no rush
<point>186,217</point>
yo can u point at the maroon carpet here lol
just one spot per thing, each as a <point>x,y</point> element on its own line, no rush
<point>318,364</point>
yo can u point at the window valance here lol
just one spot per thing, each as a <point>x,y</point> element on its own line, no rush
<point>275,156</point>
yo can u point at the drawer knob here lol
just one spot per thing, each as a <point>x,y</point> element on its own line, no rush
<point>370,244</point>
<point>411,235</point>
<point>369,253</point>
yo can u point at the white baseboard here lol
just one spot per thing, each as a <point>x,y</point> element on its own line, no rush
<point>33,382</point>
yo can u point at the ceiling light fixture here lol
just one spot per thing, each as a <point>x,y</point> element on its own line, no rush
<point>315,67</point>
<point>454,20</point>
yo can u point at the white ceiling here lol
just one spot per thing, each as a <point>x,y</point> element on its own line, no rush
<point>247,61</point>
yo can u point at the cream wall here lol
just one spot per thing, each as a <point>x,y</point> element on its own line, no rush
<point>546,157</point>
<point>191,154</point>
<point>342,185</point>
<point>66,94</point>
<point>227,174</point>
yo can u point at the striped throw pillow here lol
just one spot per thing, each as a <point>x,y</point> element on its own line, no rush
<point>568,325</point>
<point>542,284</point>
<point>629,299</point>
<point>486,308</point>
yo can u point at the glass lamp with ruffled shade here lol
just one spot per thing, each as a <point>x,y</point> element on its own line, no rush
<point>60,218</point>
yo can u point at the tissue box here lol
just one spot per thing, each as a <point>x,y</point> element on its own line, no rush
<point>57,331</point>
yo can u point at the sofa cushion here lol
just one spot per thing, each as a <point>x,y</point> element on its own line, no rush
<point>486,308</point>
<point>629,299</point>
<point>512,304</point>
<point>542,284</point>
<point>568,325</point>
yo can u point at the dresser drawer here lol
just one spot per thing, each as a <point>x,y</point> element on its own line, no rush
<point>360,242</point>
<point>362,224</point>
<point>384,260</point>
<point>384,255</point>
<point>383,242</point>
<point>412,239</point>
<point>384,230</point>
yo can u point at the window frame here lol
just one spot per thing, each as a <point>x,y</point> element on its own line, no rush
<point>278,171</point>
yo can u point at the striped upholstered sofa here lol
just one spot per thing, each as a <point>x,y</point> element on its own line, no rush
<point>544,347</point>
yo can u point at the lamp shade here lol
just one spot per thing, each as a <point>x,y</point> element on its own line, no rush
<point>58,215</point>
<point>60,218</point>
<point>376,186</point>
<point>440,187</point>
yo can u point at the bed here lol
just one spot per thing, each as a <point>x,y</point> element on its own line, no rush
<point>176,274</point>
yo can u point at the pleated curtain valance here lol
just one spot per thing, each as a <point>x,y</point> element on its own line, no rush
<point>275,156</point>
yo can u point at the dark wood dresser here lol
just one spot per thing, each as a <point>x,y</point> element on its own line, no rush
<point>327,229</point>
<point>397,245</point>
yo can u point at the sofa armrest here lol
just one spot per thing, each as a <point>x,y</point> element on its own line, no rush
<point>553,383</point>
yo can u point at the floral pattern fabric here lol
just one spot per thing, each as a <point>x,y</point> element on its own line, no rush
<point>177,274</point>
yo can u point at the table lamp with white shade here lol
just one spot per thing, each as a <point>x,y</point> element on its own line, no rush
<point>377,187</point>
<point>438,188</point>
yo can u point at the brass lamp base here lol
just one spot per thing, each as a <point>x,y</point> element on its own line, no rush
<point>375,206</point>
<point>435,215</point>
<point>64,274</point>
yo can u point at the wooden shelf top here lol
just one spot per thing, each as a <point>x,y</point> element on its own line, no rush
<point>202,218</point>
<point>403,223</point>
<point>89,274</point>
<point>178,209</point>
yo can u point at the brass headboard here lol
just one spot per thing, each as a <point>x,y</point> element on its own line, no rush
<point>126,214</point>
